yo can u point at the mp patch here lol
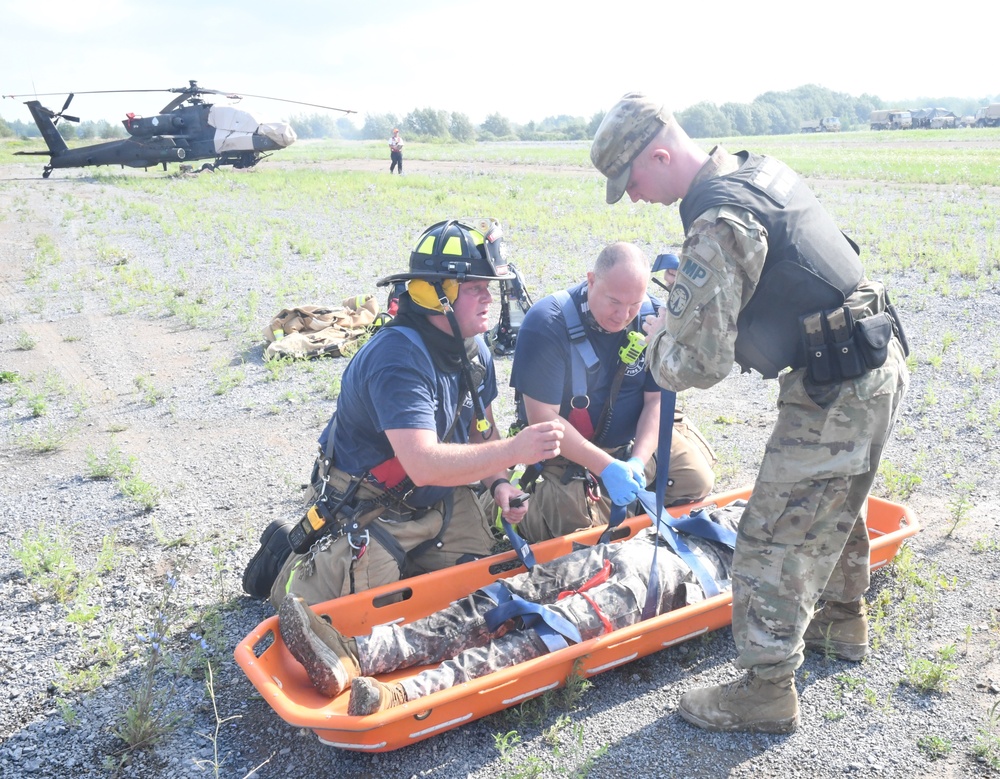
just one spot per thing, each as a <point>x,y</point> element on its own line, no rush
<point>695,271</point>
<point>679,298</point>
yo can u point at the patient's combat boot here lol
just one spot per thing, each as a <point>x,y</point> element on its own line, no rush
<point>839,630</point>
<point>749,704</point>
<point>369,696</point>
<point>330,659</point>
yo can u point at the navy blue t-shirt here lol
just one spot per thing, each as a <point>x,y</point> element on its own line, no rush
<point>391,384</point>
<point>542,367</point>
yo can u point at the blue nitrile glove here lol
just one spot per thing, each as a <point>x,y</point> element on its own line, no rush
<point>620,483</point>
<point>638,470</point>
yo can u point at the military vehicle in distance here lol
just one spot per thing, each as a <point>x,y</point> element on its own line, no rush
<point>988,116</point>
<point>829,124</point>
<point>933,118</point>
<point>891,119</point>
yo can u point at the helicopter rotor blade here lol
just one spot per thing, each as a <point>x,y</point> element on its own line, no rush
<point>192,90</point>
<point>66,104</point>
<point>88,92</point>
<point>299,102</point>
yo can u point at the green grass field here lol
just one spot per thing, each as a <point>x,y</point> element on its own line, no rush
<point>322,219</point>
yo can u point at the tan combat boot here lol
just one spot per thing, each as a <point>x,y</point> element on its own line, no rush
<point>330,658</point>
<point>369,696</point>
<point>750,704</point>
<point>839,630</point>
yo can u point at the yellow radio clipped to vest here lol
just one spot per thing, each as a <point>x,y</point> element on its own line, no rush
<point>631,351</point>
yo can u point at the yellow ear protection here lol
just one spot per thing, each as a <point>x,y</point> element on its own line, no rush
<point>423,294</point>
<point>448,253</point>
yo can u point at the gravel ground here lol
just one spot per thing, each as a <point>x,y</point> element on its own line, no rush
<point>119,374</point>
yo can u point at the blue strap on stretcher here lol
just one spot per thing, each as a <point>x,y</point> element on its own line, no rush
<point>520,544</point>
<point>699,525</point>
<point>617,517</point>
<point>668,405</point>
<point>668,528</point>
<point>551,627</point>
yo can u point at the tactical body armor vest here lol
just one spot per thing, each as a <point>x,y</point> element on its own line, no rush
<point>810,265</point>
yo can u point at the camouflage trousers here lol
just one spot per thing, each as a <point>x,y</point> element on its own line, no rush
<point>556,508</point>
<point>803,537</point>
<point>458,640</point>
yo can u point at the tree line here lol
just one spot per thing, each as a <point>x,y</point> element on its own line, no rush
<point>771,113</point>
<point>88,130</point>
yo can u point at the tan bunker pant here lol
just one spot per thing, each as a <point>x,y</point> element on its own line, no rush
<point>556,508</point>
<point>330,570</point>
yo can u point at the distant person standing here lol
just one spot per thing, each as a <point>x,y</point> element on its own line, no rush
<point>396,152</point>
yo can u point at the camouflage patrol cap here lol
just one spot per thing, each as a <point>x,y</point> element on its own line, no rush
<point>626,130</point>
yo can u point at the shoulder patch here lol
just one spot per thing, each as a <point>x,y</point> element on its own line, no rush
<point>695,272</point>
<point>679,298</point>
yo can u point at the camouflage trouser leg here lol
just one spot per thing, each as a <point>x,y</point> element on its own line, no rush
<point>441,635</point>
<point>802,536</point>
<point>517,646</point>
<point>456,638</point>
<point>461,625</point>
<point>620,602</point>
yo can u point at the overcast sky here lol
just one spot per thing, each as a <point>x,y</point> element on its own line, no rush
<point>526,59</point>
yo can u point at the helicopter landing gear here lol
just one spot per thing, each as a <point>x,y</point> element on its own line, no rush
<point>246,160</point>
<point>47,171</point>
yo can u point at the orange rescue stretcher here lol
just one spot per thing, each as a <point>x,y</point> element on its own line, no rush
<point>283,683</point>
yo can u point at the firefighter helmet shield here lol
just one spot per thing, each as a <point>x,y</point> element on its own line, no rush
<point>457,251</point>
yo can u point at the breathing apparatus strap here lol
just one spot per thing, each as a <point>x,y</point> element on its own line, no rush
<point>482,423</point>
<point>583,359</point>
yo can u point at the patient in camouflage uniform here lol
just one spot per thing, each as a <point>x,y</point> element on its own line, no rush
<point>597,589</point>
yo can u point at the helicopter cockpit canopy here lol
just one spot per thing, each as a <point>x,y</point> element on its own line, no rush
<point>234,129</point>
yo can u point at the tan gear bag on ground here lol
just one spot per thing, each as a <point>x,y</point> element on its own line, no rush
<point>314,331</point>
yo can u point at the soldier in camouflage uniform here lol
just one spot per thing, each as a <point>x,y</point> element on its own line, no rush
<point>596,589</point>
<point>767,279</point>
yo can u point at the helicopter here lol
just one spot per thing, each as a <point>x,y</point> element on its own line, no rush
<point>186,129</point>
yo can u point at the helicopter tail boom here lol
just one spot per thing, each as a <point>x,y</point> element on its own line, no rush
<point>43,119</point>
